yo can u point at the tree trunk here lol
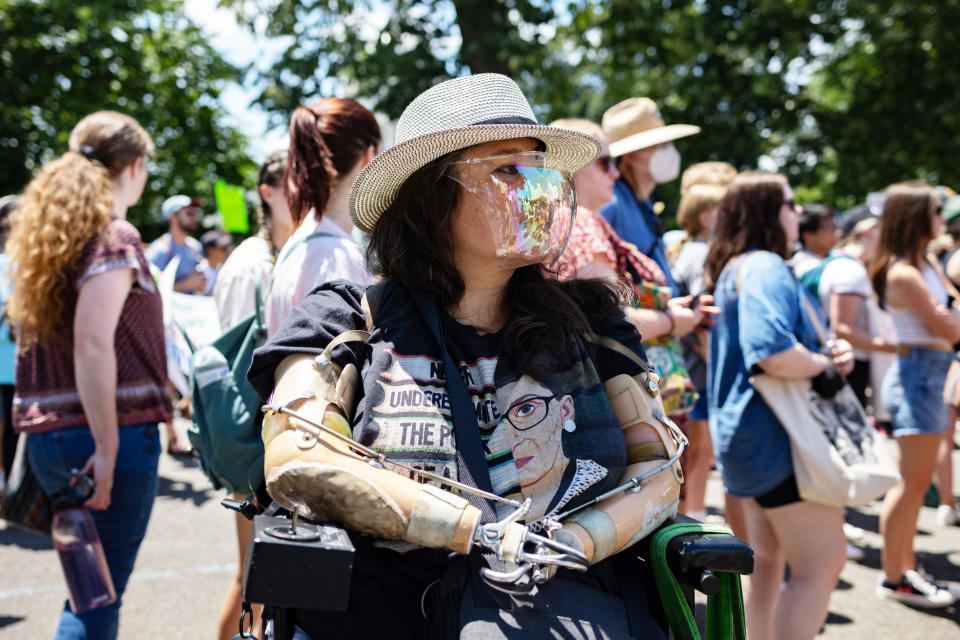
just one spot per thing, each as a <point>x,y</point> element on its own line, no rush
<point>486,33</point>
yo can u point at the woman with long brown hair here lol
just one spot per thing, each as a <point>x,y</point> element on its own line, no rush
<point>912,289</point>
<point>763,324</point>
<point>91,365</point>
<point>330,143</point>
<point>482,371</point>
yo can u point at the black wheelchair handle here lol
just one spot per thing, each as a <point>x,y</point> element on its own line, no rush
<point>244,507</point>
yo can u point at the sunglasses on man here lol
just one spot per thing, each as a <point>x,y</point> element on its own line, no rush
<point>606,162</point>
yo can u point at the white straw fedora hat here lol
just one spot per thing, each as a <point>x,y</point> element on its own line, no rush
<point>454,115</point>
<point>636,124</point>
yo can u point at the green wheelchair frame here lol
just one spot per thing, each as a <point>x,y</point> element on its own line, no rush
<point>688,555</point>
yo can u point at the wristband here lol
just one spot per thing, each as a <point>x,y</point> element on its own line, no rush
<point>673,322</point>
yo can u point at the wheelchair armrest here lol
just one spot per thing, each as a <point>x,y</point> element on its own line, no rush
<point>696,552</point>
<point>693,557</point>
<point>709,552</point>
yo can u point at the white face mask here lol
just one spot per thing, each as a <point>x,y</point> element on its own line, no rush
<point>665,164</point>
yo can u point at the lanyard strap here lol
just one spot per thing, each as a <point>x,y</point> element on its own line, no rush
<point>653,225</point>
<point>258,304</point>
<point>289,247</point>
<point>471,462</point>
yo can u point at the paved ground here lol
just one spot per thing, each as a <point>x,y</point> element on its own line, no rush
<point>854,611</point>
<point>189,554</point>
<point>185,563</point>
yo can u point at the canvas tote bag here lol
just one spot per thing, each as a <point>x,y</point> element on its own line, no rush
<point>839,458</point>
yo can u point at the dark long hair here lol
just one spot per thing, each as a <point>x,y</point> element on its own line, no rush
<point>412,244</point>
<point>326,141</point>
<point>271,173</point>
<point>748,216</point>
<point>906,227</point>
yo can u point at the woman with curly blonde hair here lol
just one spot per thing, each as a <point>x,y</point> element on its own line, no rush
<point>91,365</point>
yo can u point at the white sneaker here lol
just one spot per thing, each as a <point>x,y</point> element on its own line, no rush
<point>913,589</point>
<point>954,591</point>
<point>947,516</point>
<point>852,533</point>
<point>854,552</point>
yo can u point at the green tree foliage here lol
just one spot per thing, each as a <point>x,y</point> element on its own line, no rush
<point>724,66</point>
<point>61,60</point>
<point>886,103</point>
<point>845,96</point>
<point>391,52</point>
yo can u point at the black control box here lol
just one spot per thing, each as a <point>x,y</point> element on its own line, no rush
<point>304,566</point>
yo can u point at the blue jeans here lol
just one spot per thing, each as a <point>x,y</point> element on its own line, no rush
<point>121,526</point>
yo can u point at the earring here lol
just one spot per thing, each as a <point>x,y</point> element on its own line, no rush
<point>569,426</point>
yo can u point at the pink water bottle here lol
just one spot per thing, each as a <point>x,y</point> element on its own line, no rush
<point>81,556</point>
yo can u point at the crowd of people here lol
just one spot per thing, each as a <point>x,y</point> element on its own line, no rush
<point>481,257</point>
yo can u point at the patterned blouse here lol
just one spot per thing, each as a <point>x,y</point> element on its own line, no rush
<point>46,396</point>
<point>593,238</point>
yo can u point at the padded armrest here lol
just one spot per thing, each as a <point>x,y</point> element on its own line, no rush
<point>693,553</point>
<point>693,557</point>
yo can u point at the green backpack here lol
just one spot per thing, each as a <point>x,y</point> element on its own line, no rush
<point>226,409</point>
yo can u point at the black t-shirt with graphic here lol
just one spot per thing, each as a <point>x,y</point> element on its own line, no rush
<point>555,441</point>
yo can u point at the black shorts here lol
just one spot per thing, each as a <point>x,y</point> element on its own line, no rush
<point>781,495</point>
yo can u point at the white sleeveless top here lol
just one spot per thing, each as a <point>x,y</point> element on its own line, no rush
<point>909,327</point>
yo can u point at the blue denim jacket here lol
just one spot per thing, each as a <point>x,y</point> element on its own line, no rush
<point>635,222</point>
<point>767,317</point>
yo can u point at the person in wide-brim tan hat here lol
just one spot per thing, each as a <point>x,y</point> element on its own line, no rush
<point>636,124</point>
<point>439,121</point>
<point>646,157</point>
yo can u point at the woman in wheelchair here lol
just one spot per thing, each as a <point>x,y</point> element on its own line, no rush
<point>492,411</point>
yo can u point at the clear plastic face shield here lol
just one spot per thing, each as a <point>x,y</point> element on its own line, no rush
<point>529,202</point>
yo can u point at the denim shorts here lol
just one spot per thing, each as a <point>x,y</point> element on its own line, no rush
<point>912,391</point>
